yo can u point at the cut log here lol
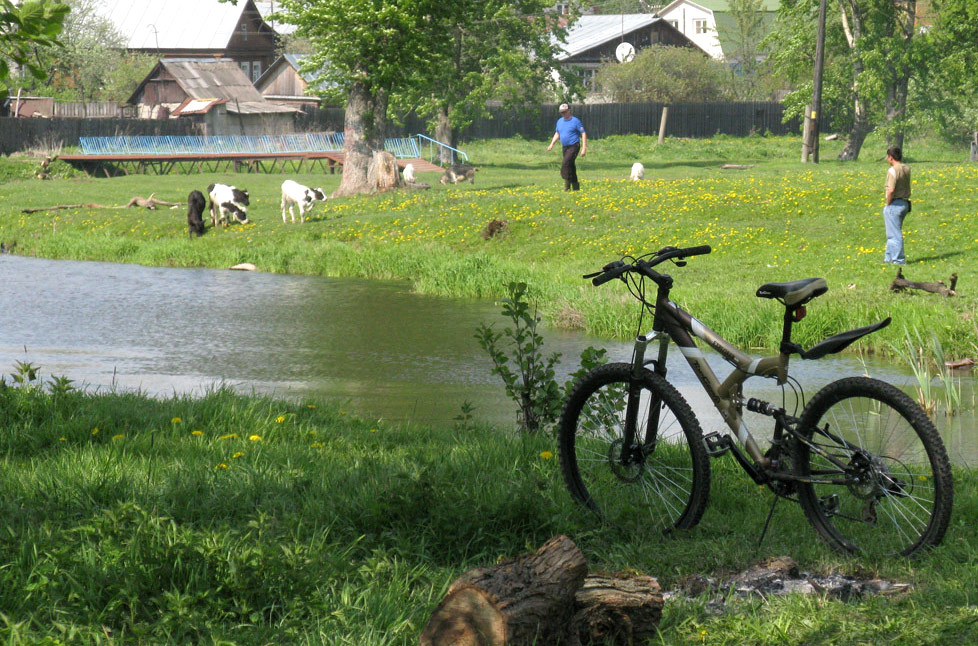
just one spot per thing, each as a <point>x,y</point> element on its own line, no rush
<point>519,602</point>
<point>900,283</point>
<point>144,202</point>
<point>617,609</point>
<point>736,166</point>
<point>382,173</point>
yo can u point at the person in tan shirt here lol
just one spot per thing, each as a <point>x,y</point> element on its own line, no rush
<point>897,205</point>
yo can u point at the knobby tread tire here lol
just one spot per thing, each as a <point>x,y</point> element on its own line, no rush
<point>885,394</point>
<point>621,374</point>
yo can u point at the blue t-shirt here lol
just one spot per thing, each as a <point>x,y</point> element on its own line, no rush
<point>570,130</point>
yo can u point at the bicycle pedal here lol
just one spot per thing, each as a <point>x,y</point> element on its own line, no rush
<point>716,444</point>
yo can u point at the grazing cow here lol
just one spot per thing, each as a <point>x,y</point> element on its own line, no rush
<point>638,171</point>
<point>228,200</point>
<point>459,173</point>
<point>409,173</point>
<point>195,211</point>
<point>303,196</point>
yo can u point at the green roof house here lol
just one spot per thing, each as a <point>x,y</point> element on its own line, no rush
<point>710,23</point>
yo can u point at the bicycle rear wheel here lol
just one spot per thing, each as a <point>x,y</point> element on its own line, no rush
<point>662,478</point>
<point>880,477</point>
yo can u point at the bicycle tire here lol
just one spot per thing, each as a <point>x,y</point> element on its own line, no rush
<point>897,493</point>
<point>668,484</point>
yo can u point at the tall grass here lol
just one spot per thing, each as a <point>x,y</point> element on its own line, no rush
<point>927,361</point>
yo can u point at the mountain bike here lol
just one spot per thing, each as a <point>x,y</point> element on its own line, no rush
<point>862,459</point>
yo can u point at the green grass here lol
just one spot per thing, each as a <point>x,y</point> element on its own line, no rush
<point>229,519</point>
<point>779,220</point>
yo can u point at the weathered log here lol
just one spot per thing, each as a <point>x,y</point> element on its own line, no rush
<point>900,283</point>
<point>146,202</point>
<point>519,602</point>
<point>382,173</point>
<point>417,185</point>
<point>736,166</point>
<point>617,609</point>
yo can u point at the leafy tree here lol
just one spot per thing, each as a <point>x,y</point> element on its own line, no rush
<point>665,74</point>
<point>744,32</point>
<point>22,27</point>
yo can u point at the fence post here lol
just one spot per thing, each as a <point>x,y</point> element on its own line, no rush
<point>662,123</point>
<point>806,148</point>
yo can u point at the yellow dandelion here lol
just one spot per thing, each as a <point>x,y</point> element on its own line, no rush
<point>229,436</point>
<point>95,431</point>
<point>547,455</point>
<point>197,433</point>
<point>254,438</point>
<point>222,465</point>
<point>373,430</point>
<point>310,406</point>
<point>62,439</point>
<point>175,420</point>
<point>238,455</point>
<point>118,436</point>
<point>316,445</point>
<point>280,419</point>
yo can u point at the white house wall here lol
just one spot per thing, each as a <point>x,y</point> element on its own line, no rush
<point>684,16</point>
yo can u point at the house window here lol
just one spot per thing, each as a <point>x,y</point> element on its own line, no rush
<point>255,71</point>
<point>245,67</point>
<point>244,31</point>
<point>674,23</point>
<point>562,8</point>
<point>587,75</point>
<point>699,27</point>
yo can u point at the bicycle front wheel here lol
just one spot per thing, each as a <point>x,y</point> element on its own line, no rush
<point>875,476</point>
<point>660,476</point>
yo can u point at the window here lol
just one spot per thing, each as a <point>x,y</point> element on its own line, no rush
<point>244,31</point>
<point>255,71</point>
<point>563,8</point>
<point>246,68</point>
<point>674,23</point>
<point>699,27</point>
<point>587,75</point>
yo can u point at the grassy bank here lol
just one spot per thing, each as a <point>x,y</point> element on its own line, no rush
<point>239,520</point>
<point>777,220</point>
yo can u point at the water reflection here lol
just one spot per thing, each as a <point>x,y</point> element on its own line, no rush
<point>388,352</point>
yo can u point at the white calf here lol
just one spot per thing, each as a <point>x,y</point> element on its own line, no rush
<point>409,173</point>
<point>303,196</point>
<point>228,200</point>
<point>638,171</point>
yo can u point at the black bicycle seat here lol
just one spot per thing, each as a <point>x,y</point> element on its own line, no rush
<point>796,292</point>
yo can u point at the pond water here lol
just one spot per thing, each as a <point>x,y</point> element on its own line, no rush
<point>385,351</point>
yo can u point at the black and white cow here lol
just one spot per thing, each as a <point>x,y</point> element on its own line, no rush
<point>228,200</point>
<point>303,196</point>
<point>195,211</point>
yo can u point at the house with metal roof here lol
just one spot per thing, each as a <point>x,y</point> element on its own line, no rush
<point>593,40</point>
<point>711,24</point>
<point>284,84</point>
<point>214,93</point>
<point>198,29</point>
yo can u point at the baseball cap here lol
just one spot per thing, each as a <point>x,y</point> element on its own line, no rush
<point>563,107</point>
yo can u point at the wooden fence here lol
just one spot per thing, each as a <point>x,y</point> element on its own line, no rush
<point>48,134</point>
<point>601,120</point>
<point>88,110</point>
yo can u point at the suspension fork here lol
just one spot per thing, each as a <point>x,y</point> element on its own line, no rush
<point>635,398</point>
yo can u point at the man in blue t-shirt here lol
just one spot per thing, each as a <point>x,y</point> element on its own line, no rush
<point>572,137</point>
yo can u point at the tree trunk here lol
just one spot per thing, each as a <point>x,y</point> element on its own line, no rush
<point>896,97</point>
<point>443,133</point>
<point>364,127</point>
<point>617,609</point>
<point>523,601</point>
<point>382,173</point>
<point>852,25</point>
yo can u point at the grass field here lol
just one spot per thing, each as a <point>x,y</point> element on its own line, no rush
<point>241,520</point>
<point>778,220</point>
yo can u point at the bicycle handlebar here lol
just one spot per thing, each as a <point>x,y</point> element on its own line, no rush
<point>618,268</point>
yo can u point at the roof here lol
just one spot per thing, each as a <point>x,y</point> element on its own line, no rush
<point>177,24</point>
<point>588,32</point>
<point>213,79</point>
<point>294,61</point>
<point>720,6</point>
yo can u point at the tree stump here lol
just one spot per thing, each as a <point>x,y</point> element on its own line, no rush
<point>382,174</point>
<point>617,609</point>
<point>522,601</point>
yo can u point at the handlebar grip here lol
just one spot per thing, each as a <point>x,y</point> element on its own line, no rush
<point>610,274</point>
<point>695,251</point>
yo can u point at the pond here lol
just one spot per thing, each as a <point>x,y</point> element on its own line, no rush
<point>380,348</point>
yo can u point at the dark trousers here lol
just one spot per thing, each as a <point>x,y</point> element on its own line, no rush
<point>568,170</point>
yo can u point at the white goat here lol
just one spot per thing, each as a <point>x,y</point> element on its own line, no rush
<point>409,173</point>
<point>638,171</point>
<point>302,196</point>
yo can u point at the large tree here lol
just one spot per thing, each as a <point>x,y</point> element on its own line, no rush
<point>22,27</point>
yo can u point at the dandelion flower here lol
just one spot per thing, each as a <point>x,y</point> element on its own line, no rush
<point>175,420</point>
<point>238,455</point>
<point>547,455</point>
<point>62,439</point>
<point>229,436</point>
<point>254,438</point>
<point>311,406</point>
<point>222,465</point>
<point>280,419</point>
<point>118,436</point>
<point>373,430</point>
<point>197,433</point>
<point>316,445</point>
<point>95,431</point>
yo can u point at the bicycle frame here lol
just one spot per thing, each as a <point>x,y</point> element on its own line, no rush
<point>673,323</point>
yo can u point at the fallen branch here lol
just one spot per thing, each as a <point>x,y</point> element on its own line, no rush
<point>736,166</point>
<point>900,283</point>
<point>146,202</point>
<point>960,363</point>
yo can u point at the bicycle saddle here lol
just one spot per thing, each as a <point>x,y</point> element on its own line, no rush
<point>797,292</point>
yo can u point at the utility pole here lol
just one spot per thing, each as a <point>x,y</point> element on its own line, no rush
<point>817,83</point>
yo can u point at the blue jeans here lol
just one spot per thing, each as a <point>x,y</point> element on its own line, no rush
<point>893,215</point>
